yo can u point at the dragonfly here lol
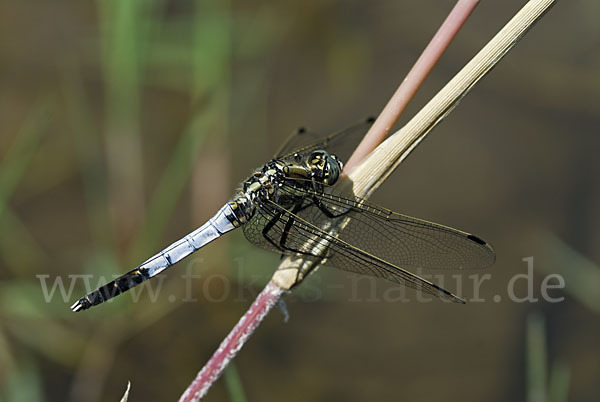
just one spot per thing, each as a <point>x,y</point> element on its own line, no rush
<point>292,207</point>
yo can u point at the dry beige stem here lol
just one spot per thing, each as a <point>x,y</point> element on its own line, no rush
<point>381,163</point>
<point>374,169</point>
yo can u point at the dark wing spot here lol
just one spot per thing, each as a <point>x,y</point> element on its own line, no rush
<point>301,130</point>
<point>370,119</point>
<point>476,239</point>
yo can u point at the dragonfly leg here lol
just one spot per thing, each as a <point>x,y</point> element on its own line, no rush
<point>267,229</point>
<point>327,212</point>
<point>288,226</point>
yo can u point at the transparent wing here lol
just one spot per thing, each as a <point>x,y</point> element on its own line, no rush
<point>399,239</point>
<point>253,231</point>
<point>304,237</point>
<point>340,143</point>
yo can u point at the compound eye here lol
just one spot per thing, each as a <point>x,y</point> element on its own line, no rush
<point>338,161</point>
<point>333,169</point>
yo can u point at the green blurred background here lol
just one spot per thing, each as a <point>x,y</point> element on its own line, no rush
<point>126,124</point>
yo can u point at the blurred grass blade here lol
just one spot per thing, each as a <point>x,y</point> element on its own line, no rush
<point>538,388</point>
<point>581,276</point>
<point>59,343</point>
<point>23,384</point>
<point>19,155</point>
<point>212,46</point>
<point>233,383</point>
<point>79,114</point>
<point>559,383</point>
<point>536,365</point>
<point>7,360</point>
<point>121,43</point>
<point>19,249</point>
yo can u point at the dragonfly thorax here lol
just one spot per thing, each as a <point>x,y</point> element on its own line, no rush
<point>317,169</point>
<point>261,185</point>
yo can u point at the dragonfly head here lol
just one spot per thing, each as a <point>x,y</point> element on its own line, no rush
<point>325,167</point>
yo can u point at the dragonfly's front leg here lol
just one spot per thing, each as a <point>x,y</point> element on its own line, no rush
<point>318,188</point>
<point>267,229</point>
<point>286,231</point>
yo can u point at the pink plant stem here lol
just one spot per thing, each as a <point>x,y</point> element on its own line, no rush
<point>271,293</point>
<point>415,77</point>
<point>233,343</point>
